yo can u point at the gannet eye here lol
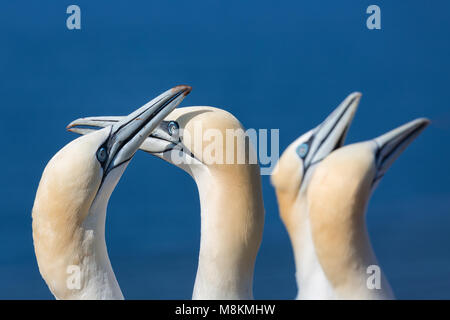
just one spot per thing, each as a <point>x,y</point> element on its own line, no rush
<point>173,127</point>
<point>102,155</point>
<point>302,150</point>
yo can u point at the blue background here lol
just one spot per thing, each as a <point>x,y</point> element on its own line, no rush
<point>273,64</point>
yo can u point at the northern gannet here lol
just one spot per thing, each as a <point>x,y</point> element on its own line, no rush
<point>69,210</point>
<point>291,178</point>
<point>324,210</point>
<point>337,199</point>
<point>232,210</point>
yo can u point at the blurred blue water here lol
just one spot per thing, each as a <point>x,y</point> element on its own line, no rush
<point>272,64</point>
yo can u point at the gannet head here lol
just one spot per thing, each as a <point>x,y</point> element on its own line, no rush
<point>70,204</point>
<point>337,198</point>
<point>204,139</point>
<point>292,174</point>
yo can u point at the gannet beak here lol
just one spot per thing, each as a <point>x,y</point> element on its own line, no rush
<point>127,134</point>
<point>330,134</point>
<point>160,139</point>
<point>390,145</point>
<point>99,122</point>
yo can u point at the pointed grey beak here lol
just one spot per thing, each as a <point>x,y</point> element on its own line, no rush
<point>390,145</point>
<point>100,122</point>
<point>330,134</point>
<point>127,134</point>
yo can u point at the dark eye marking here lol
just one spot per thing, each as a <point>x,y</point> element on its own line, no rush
<point>102,154</point>
<point>173,128</point>
<point>302,150</point>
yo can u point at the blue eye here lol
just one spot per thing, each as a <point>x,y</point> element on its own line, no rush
<point>173,127</point>
<point>102,155</point>
<point>302,150</point>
